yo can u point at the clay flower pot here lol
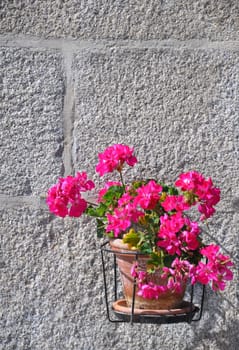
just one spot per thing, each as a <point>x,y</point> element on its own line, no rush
<point>125,259</point>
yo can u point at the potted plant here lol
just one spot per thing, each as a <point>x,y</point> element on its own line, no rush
<point>152,219</point>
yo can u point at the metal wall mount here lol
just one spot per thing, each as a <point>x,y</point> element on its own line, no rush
<point>190,311</point>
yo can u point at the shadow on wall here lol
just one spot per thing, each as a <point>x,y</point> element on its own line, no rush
<point>224,317</point>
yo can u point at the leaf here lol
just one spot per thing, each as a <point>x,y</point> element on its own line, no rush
<point>165,188</point>
<point>97,211</point>
<point>155,259</point>
<point>132,238</point>
<point>100,228</point>
<point>170,190</point>
<point>154,220</point>
<point>145,248</point>
<point>114,192</point>
<point>173,191</point>
<point>137,184</point>
<point>168,259</point>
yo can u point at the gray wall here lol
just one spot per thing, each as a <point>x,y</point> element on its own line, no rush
<point>76,76</point>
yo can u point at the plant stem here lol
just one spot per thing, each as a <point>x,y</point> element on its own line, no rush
<point>122,180</point>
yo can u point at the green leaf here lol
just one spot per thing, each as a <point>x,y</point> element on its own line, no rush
<point>97,211</point>
<point>168,259</point>
<point>172,191</point>
<point>165,188</point>
<point>132,238</point>
<point>113,192</point>
<point>137,184</point>
<point>155,259</point>
<point>145,248</point>
<point>153,219</point>
<point>100,228</point>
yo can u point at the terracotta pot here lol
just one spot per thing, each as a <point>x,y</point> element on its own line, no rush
<point>125,258</point>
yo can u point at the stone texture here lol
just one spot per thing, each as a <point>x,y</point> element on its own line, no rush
<point>179,108</point>
<point>44,282</point>
<point>108,19</point>
<point>31,126</point>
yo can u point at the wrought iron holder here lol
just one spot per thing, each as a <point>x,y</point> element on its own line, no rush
<point>192,313</point>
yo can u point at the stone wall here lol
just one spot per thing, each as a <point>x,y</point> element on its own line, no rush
<point>76,76</point>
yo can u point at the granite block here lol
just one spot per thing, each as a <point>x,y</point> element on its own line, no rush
<point>31,131</point>
<point>110,19</point>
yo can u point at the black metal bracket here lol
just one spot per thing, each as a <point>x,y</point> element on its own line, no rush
<point>111,293</point>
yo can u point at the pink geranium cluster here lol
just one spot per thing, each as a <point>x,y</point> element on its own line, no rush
<point>152,218</point>
<point>215,271</point>
<point>178,234</point>
<point>123,216</point>
<point>130,208</point>
<point>172,279</point>
<point>203,190</point>
<point>114,157</point>
<point>178,203</point>
<point>148,195</point>
<point>64,198</point>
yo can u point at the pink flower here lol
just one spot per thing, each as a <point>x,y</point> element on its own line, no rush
<point>207,195</point>
<point>172,223</point>
<point>69,188</point>
<point>206,211</point>
<point>175,240</point>
<point>146,288</point>
<point>174,202</point>
<point>114,157</point>
<point>133,271</point>
<point>118,222</point>
<point>189,181</point>
<point>201,273</point>
<point>65,199</point>
<point>181,266</point>
<point>149,291</point>
<point>189,236</point>
<point>78,207</point>
<point>125,199</point>
<point>172,279</point>
<point>177,274</point>
<point>169,239</point>
<point>190,240</point>
<point>206,191</point>
<point>56,201</point>
<point>122,218</point>
<point>216,270</point>
<point>174,285</point>
<point>159,227</point>
<point>72,186</point>
<point>83,183</point>
<point>148,195</point>
<point>142,275</point>
<point>210,251</point>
